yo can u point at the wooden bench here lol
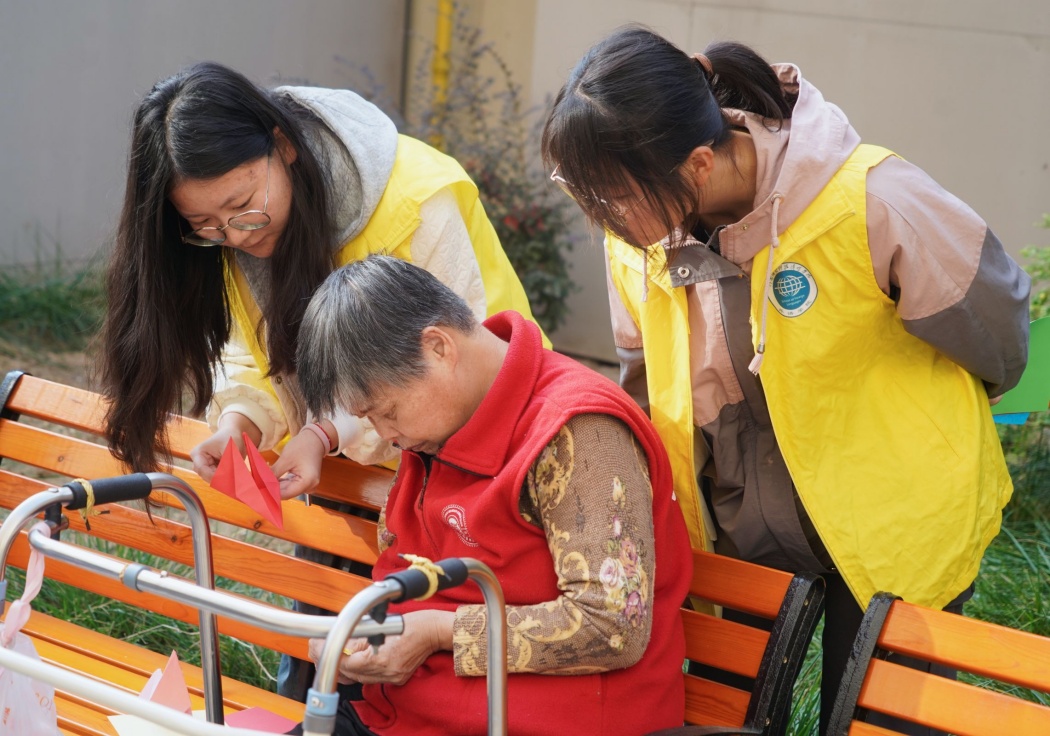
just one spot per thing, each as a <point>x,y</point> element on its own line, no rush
<point>130,666</point>
<point>894,627</point>
<point>770,659</point>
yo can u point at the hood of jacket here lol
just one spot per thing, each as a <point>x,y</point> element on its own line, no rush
<point>358,156</point>
<point>793,163</point>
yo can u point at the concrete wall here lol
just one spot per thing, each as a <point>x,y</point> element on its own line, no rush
<point>73,72</point>
<point>957,86</point>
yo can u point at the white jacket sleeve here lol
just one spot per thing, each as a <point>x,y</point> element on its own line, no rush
<point>239,388</point>
<point>359,441</point>
<point>441,244</point>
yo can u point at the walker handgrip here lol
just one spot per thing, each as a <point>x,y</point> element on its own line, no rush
<point>414,584</point>
<point>109,490</point>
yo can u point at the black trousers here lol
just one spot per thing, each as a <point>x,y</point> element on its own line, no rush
<point>347,723</point>
<point>295,676</point>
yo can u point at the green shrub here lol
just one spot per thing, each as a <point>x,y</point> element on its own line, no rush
<point>51,306</point>
<point>484,123</point>
<point>1026,446</point>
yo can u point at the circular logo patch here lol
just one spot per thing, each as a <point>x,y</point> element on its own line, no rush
<point>794,289</point>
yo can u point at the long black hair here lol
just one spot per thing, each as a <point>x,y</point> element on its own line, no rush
<point>169,313</point>
<point>635,107</point>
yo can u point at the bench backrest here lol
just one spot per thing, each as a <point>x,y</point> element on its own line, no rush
<point>762,660</point>
<point>769,662</point>
<point>253,564</point>
<point>872,683</point>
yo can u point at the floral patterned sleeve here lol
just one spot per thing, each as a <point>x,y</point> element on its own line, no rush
<point>589,491</point>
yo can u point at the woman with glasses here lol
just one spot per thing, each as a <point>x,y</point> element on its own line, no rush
<point>239,202</point>
<point>814,324</point>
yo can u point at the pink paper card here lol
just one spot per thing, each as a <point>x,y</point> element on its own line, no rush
<point>168,687</point>
<point>260,719</point>
<point>256,487</point>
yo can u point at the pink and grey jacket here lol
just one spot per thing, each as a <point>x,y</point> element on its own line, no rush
<point>953,284</point>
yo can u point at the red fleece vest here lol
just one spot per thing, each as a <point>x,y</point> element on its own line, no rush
<point>467,506</point>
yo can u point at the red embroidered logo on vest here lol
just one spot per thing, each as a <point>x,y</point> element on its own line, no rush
<point>456,517</point>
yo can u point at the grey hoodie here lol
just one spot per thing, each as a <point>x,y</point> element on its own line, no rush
<point>357,157</point>
<point>954,286</point>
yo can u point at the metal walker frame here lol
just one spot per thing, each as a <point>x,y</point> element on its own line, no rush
<point>364,616</point>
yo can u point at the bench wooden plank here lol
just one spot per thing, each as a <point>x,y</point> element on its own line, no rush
<point>43,399</point>
<point>713,704</point>
<point>129,667</point>
<point>288,576</point>
<point>739,585</point>
<point>949,705</point>
<point>83,720</point>
<point>236,694</point>
<point>727,645</point>
<point>342,480</point>
<point>876,684</point>
<point>859,728</point>
<point>71,575</point>
<point>1017,657</point>
<point>313,525</point>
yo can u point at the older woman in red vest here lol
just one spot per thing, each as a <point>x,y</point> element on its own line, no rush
<point>526,460</point>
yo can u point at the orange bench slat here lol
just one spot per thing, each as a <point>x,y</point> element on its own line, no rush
<point>949,705</point>
<point>83,410</point>
<point>983,648</point>
<point>713,704</point>
<point>312,525</point>
<point>739,585</point>
<point>727,645</point>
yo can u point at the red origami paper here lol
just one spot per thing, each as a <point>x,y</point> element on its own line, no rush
<point>257,488</point>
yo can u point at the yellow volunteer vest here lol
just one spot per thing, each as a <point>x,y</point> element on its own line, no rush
<point>419,172</point>
<point>664,321</point>
<point>890,444</point>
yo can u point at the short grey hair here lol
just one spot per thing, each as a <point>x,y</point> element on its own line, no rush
<point>363,327</point>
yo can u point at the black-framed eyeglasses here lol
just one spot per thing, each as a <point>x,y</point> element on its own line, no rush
<point>250,220</point>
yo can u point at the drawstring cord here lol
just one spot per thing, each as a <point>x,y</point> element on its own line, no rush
<point>756,362</point>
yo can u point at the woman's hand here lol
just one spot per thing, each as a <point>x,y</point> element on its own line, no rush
<point>299,467</point>
<point>207,454</point>
<point>426,632</point>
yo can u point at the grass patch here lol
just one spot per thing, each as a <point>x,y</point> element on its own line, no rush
<point>241,660</point>
<point>805,705</point>
<point>1013,587</point>
<point>1013,590</point>
<point>50,306</point>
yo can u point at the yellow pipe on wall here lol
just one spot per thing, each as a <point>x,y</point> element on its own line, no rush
<point>441,64</point>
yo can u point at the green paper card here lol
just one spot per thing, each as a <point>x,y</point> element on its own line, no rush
<point>1033,391</point>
